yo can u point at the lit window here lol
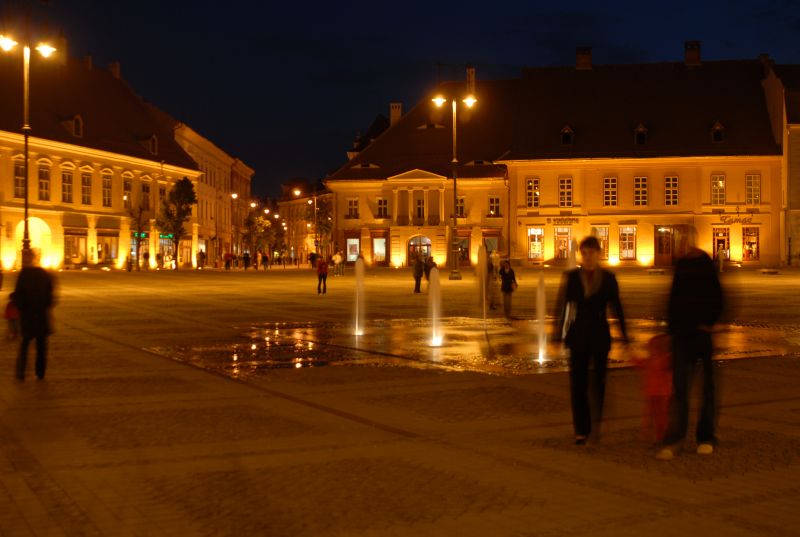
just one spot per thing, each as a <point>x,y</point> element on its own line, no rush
<point>670,191</point>
<point>717,190</point>
<point>532,192</point>
<point>106,190</point>
<point>494,206</point>
<point>640,191</point>
<point>609,192</point>
<point>627,242</point>
<point>565,192</point>
<point>352,208</point>
<point>126,193</point>
<point>750,246</point>
<point>44,183</point>
<point>752,185</point>
<point>601,233</point>
<point>86,188</point>
<point>19,180</point>
<point>66,187</point>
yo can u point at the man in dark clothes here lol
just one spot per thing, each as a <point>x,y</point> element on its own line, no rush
<point>695,305</point>
<point>33,296</point>
<point>585,297</point>
<point>419,269</point>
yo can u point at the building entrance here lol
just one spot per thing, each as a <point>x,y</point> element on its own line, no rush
<point>721,243</point>
<point>562,240</point>
<point>418,245</point>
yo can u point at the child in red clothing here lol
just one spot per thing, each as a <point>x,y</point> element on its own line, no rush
<point>12,316</point>
<point>657,385</point>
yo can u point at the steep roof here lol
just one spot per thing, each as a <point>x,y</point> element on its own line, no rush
<point>790,76</point>
<point>114,118</point>
<point>523,119</point>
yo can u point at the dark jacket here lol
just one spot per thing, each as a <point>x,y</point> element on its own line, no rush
<point>419,268</point>
<point>508,280</point>
<point>583,309</point>
<point>33,296</point>
<point>696,295</point>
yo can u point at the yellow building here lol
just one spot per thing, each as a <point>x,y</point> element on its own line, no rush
<point>631,153</point>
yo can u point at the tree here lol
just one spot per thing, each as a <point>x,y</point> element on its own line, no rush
<point>259,231</point>
<point>138,228</point>
<point>176,209</point>
<point>322,221</point>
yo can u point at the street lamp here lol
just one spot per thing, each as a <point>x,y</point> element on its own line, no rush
<point>7,44</point>
<point>469,101</point>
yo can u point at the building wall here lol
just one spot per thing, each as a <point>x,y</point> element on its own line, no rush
<point>103,232</point>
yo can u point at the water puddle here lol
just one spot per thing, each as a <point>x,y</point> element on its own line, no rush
<point>495,346</point>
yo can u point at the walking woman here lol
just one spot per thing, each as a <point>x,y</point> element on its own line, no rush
<point>508,284</point>
<point>586,294</point>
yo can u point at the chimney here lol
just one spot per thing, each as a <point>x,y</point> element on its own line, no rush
<point>115,70</point>
<point>583,58</point>
<point>691,53</point>
<point>470,80</point>
<point>395,113</point>
<point>766,62</point>
<point>87,63</point>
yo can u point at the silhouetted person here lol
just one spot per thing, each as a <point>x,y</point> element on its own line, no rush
<point>33,297</point>
<point>419,269</point>
<point>695,305</point>
<point>586,294</point>
<point>246,260</point>
<point>508,284</point>
<point>322,276</point>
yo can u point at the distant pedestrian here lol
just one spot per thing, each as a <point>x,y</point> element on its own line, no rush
<point>146,257</point>
<point>12,317</point>
<point>337,261</point>
<point>429,264</point>
<point>419,270</point>
<point>322,276</point>
<point>265,260</point>
<point>33,297</point>
<point>656,387</point>
<point>246,260</point>
<point>508,284</point>
<point>585,296</point>
<point>495,257</point>
<point>695,305</point>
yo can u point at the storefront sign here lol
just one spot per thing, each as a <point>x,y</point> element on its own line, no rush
<point>562,221</point>
<point>727,220</point>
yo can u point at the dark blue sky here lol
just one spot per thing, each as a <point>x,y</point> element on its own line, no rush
<point>285,87</point>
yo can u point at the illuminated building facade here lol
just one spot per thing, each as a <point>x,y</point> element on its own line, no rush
<point>634,154</point>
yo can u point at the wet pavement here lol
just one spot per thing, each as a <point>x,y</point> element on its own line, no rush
<point>391,437</point>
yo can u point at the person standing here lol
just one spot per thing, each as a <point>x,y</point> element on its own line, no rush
<point>508,284</point>
<point>419,270</point>
<point>585,296</point>
<point>495,258</point>
<point>33,297</point>
<point>695,305</point>
<point>246,260</point>
<point>337,260</point>
<point>322,276</point>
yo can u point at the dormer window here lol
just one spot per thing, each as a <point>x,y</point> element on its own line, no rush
<point>640,134</point>
<point>153,145</point>
<point>718,133</point>
<point>77,127</point>
<point>567,135</point>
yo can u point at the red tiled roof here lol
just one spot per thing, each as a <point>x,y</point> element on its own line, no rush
<point>115,119</point>
<point>523,119</point>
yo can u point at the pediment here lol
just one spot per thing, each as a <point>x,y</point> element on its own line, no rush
<point>416,175</point>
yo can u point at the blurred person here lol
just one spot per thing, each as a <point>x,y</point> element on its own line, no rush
<point>337,261</point>
<point>11,315</point>
<point>656,370</point>
<point>508,284</point>
<point>695,305</point>
<point>34,298</point>
<point>586,293</point>
<point>429,264</point>
<point>246,260</point>
<point>322,276</point>
<point>495,257</point>
<point>418,271</point>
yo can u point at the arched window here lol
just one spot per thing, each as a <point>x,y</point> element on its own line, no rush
<point>77,127</point>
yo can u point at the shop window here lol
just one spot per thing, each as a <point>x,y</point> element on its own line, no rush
<point>353,248</point>
<point>627,242</point>
<point>601,234</point>
<point>536,243</point>
<point>379,250</point>
<point>563,237</point>
<point>750,244</point>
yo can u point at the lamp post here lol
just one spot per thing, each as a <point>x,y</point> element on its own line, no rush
<point>234,238</point>
<point>469,101</point>
<point>7,44</point>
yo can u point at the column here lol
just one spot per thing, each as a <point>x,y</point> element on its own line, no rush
<point>91,240</point>
<point>124,248</point>
<point>195,243</point>
<point>410,206</point>
<point>426,208</point>
<point>152,236</point>
<point>442,218</point>
<point>394,205</point>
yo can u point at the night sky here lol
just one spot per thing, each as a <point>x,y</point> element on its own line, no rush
<point>286,87</point>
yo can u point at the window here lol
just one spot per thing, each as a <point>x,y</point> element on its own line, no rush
<point>532,192</point>
<point>609,192</point>
<point>567,136</point>
<point>383,208</point>
<point>640,134</point>
<point>750,244</point>
<point>639,191</point>
<point>601,233</point>
<point>44,183</point>
<point>66,187</point>
<point>77,127</point>
<point>146,196</point>
<point>86,188</point>
<point>536,243</point>
<point>717,133</point>
<point>565,192</point>
<point>460,207</point>
<point>494,206</point>
<point>752,186</point>
<point>352,208</point>
<point>627,242</point>
<point>670,191</point>
<point>106,190</point>
<point>162,192</point>
<point>19,180</point>
<point>420,208</point>
<point>154,145</point>
<point>717,190</point>
<point>126,193</point>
